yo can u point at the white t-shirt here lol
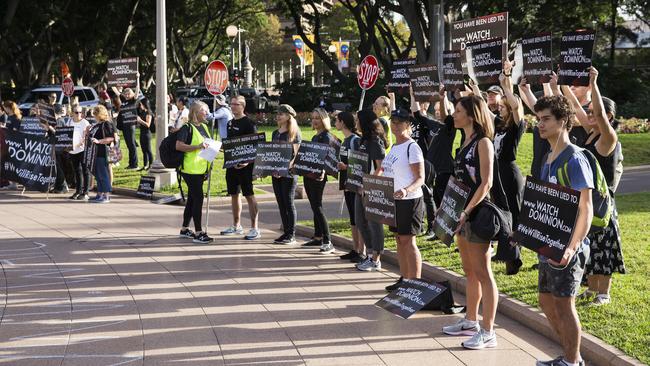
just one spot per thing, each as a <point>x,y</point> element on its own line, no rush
<point>397,165</point>
<point>181,118</point>
<point>78,136</point>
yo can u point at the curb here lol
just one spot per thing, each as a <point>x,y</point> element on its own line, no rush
<point>592,348</point>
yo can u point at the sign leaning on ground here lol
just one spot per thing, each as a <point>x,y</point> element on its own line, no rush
<point>123,72</point>
<point>547,219</point>
<point>576,50</point>
<point>357,166</point>
<point>448,217</point>
<point>378,199</point>
<point>452,70</point>
<point>273,157</point>
<point>146,187</point>
<point>310,160</point>
<point>241,149</point>
<point>478,29</point>
<point>485,60</point>
<point>537,58</point>
<point>216,77</point>
<point>424,79</point>
<point>410,297</point>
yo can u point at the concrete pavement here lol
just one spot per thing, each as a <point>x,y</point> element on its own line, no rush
<point>85,284</point>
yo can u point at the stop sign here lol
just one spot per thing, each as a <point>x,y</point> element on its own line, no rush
<point>216,77</point>
<point>368,72</point>
<point>68,87</point>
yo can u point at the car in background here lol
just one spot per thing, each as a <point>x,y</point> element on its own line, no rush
<point>87,97</point>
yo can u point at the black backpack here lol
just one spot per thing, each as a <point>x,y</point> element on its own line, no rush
<point>169,156</point>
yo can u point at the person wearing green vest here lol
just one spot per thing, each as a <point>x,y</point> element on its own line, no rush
<point>194,169</point>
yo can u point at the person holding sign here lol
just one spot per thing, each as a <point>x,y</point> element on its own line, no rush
<point>405,164</point>
<point>144,117</point>
<point>82,175</point>
<point>559,283</point>
<point>474,167</point>
<point>373,142</point>
<point>284,188</point>
<point>240,178</point>
<point>124,119</point>
<point>12,123</point>
<point>194,170</point>
<point>100,136</point>
<point>315,184</point>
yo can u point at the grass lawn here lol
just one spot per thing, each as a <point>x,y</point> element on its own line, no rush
<point>635,147</point>
<point>625,323</point>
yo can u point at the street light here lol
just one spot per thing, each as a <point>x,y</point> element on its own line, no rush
<point>155,53</point>
<point>332,48</point>
<point>204,58</point>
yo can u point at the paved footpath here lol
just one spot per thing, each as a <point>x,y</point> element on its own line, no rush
<point>85,284</point>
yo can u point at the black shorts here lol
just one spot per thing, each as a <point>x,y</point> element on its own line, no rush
<point>349,202</point>
<point>408,216</point>
<point>240,180</point>
<point>563,282</point>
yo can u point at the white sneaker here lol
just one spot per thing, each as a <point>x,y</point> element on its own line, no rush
<point>600,299</point>
<point>253,234</point>
<point>482,339</point>
<point>232,230</point>
<point>369,265</point>
<point>462,327</point>
<point>326,248</point>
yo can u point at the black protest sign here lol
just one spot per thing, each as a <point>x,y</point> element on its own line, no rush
<point>452,70</point>
<point>485,60</point>
<point>410,297</point>
<point>378,200</point>
<point>453,203</point>
<point>29,160</point>
<point>128,113</point>
<point>46,114</point>
<point>273,157</point>
<point>146,187</point>
<point>32,125</point>
<point>537,58</point>
<point>310,160</point>
<point>478,29</point>
<point>357,167</point>
<point>332,158</point>
<point>547,219</point>
<point>399,76</point>
<point>241,149</point>
<point>576,50</point>
<point>123,72</point>
<point>64,137</point>
<point>424,80</point>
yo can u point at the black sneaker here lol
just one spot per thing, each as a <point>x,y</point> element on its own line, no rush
<point>280,239</point>
<point>83,197</point>
<point>187,233</point>
<point>429,233</point>
<point>512,267</point>
<point>74,196</point>
<point>313,243</point>
<point>202,238</point>
<point>358,258</point>
<point>288,240</point>
<point>395,286</point>
<point>349,255</point>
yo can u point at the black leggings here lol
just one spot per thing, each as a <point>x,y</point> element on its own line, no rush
<point>439,187</point>
<point>429,204</point>
<point>145,145</point>
<point>314,190</point>
<point>81,173</point>
<point>194,204</point>
<point>285,192</point>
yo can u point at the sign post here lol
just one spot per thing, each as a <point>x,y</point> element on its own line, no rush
<point>367,74</point>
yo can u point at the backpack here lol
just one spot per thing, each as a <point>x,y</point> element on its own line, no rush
<point>602,202</point>
<point>429,171</point>
<point>169,156</point>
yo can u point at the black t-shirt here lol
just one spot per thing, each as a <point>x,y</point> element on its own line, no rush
<point>12,123</point>
<point>375,149</point>
<point>324,137</point>
<point>183,134</point>
<point>278,136</point>
<point>420,133</point>
<point>506,140</point>
<point>106,130</point>
<point>349,143</point>
<point>442,137</point>
<point>241,127</point>
<point>143,109</point>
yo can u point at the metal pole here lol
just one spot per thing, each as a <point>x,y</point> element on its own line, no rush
<point>239,47</point>
<point>161,82</point>
<point>363,95</point>
<point>207,208</point>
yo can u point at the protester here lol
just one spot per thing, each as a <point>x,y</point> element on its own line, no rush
<point>284,188</point>
<point>145,119</point>
<point>12,122</point>
<point>405,164</point>
<point>382,107</point>
<point>373,142</point>
<point>61,157</point>
<point>222,115</point>
<point>559,283</point>
<point>172,109</point>
<point>345,123</point>
<point>82,175</point>
<point>239,179</point>
<point>181,116</point>
<point>194,169</point>
<point>494,95</point>
<point>315,184</point>
<point>100,135</point>
<point>474,167</point>
<point>129,130</point>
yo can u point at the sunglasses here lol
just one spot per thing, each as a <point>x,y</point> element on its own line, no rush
<point>235,104</point>
<point>78,112</point>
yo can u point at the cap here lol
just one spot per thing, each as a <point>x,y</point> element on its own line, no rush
<point>495,89</point>
<point>401,114</point>
<point>221,100</point>
<point>285,108</point>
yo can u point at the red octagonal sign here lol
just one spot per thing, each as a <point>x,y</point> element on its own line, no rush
<point>216,77</point>
<point>368,72</point>
<point>68,87</point>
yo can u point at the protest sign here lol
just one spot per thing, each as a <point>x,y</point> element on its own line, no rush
<point>478,29</point>
<point>424,80</point>
<point>410,297</point>
<point>29,160</point>
<point>123,72</point>
<point>332,158</point>
<point>357,167</point>
<point>452,70</point>
<point>241,149</point>
<point>310,160</point>
<point>448,217</point>
<point>537,58</point>
<point>576,50</point>
<point>378,200</point>
<point>145,188</point>
<point>273,157</point>
<point>399,76</point>
<point>129,114</point>
<point>485,60</point>
<point>32,125</point>
<point>547,219</point>
<point>64,138</point>
<point>46,114</point>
